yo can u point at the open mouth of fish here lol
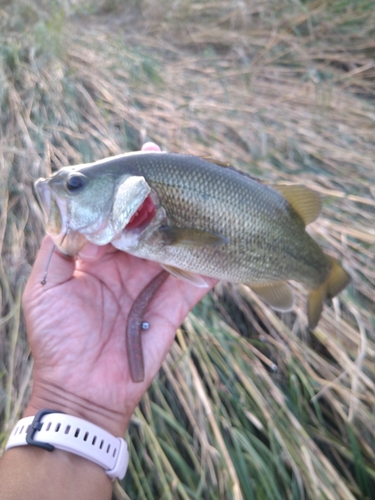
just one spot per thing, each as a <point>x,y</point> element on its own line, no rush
<point>70,239</point>
<point>55,209</point>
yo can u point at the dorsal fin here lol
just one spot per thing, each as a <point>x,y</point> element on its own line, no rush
<point>216,161</point>
<point>228,166</point>
<point>306,203</point>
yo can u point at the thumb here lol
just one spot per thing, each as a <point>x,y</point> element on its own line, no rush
<point>50,267</point>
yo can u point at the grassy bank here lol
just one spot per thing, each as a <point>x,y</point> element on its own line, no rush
<point>247,405</point>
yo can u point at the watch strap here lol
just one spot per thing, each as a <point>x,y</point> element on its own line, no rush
<point>51,429</point>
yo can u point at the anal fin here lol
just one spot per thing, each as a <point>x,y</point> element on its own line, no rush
<point>278,295</point>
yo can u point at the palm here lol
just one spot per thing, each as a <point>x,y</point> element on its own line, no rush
<point>76,324</point>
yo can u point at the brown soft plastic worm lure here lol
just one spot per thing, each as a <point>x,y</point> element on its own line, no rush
<point>134,326</point>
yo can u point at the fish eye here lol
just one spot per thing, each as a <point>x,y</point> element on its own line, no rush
<point>75,182</point>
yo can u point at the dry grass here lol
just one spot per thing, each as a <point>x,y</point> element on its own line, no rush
<point>247,404</point>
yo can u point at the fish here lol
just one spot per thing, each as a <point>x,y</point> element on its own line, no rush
<point>197,217</point>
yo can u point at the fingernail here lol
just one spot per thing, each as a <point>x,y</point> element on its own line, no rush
<point>150,146</point>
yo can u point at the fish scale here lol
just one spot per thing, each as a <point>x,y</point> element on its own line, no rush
<point>238,208</point>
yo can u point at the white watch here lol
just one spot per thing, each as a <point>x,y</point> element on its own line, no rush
<point>50,429</point>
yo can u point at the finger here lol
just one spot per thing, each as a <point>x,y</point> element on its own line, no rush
<point>192,294</point>
<point>170,306</point>
<point>91,253</point>
<point>50,266</point>
<point>184,294</point>
<point>150,146</point>
<point>176,298</point>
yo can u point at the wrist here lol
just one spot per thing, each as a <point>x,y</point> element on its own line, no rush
<point>28,472</point>
<point>46,395</point>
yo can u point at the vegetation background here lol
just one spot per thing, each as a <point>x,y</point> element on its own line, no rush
<point>248,405</point>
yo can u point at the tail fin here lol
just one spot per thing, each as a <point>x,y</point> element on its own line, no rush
<point>337,280</point>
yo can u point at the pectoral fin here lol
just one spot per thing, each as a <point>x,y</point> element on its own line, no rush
<point>185,237</point>
<point>306,203</point>
<point>278,295</point>
<point>193,279</point>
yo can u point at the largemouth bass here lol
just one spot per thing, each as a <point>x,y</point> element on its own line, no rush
<point>195,218</point>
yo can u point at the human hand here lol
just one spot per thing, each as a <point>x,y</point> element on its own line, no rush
<point>76,327</point>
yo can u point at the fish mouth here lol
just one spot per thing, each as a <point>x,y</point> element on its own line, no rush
<point>54,208</point>
<point>43,195</point>
<point>70,240</point>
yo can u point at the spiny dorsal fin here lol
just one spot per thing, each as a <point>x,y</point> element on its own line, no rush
<point>215,161</point>
<point>306,203</point>
<point>186,237</point>
<point>228,166</point>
